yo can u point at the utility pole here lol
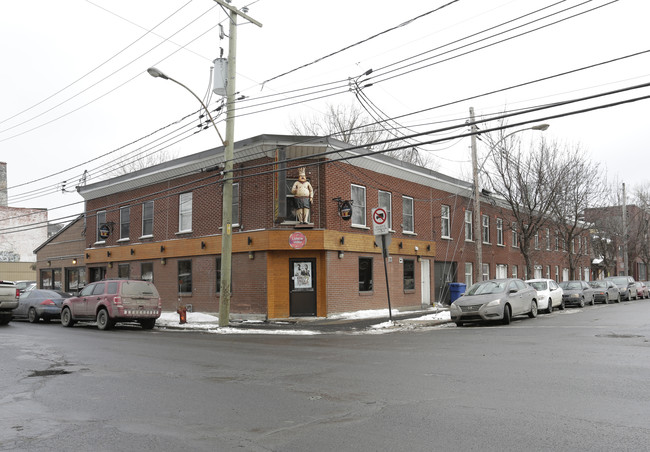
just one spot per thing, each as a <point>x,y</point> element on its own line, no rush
<point>625,261</point>
<point>477,202</point>
<point>226,231</point>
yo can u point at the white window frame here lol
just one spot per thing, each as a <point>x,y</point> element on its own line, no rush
<point>548,240</point>
<point>501,271</point>
<point>500,241</point>
<point>408,201</point>
<point>123,222</point>
<point>388,208</point>
<point>358,205</point>
<point>235,204</point>
<point>485,229</point>
<point>445,222</point>
<point>485,273</point>
<point>185,211</point>
<point>469,233</point>
<point>145,219</point>
<point>515,237</point>
<point>469,274</point>
<point>514,270</point>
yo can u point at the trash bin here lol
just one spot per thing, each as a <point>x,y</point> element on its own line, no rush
<point>456,289</point>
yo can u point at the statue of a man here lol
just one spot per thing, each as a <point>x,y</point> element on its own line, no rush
<point>304,196</point>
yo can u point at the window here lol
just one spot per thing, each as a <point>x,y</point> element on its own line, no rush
<point>557,242</point>
<point>557,273</point>
<point>185,277</point>
<point>147,218</point>
<point>185,212</point>
<point>101,221</point>
<point>500,241</point>
<point>548,240</point>
<point>502,271</point>
<point>407,214</point>
<point>125,223</point>
<point>235,204</point>
<point>486,228</point>
<point>565,274</point>
<point>548,272</point>
<point>146,271</point>
<point>218,274</point>
<point>409,274</point>
<point>486,272</point>
<point>51,279</point>
<point>75,279</point>
<point>469,274</point>
<point>445,222</point>
<point>385,202</point>
<point>514,271</point>
<point>365,274</point>
<point>538,271</point>
<point>358,196</point>
<point>515,237</point>
<point>468,226</point>
<point>123,271</point>
<point>536,240</point>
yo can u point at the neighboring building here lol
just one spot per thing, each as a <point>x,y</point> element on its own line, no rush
<point>163,224</point>
<point>60,259</point>
<point>21,229</point>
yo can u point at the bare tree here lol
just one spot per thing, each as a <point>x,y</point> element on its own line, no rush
<point>528,183</point>
<point>642,199</point>
<point>128,164</point>
<point>350,124</point>
<point>582,187</point>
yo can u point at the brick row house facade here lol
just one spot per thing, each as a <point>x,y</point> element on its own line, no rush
<point>163,224</point>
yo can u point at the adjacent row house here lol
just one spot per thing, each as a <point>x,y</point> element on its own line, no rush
<point>163,224</point>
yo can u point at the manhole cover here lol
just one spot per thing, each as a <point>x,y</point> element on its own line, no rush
<point>48,372</point>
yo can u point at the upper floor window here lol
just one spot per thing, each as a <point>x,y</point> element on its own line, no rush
<point>500,232</point>
<point>358,196</point>
<point>548,240</point>
<point>101,221</point>
<point>235,204</point>
<point>385,202</point>
<point>125,222</point>
<point>468,226</point>
<point>486,229</point>
<point>185,212</point>
<point>515,236</point>
<point>147,218</point>
<point>407,214</point>
<point>445,222</point>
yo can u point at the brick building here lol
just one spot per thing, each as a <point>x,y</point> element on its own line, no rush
<point>163,224</point>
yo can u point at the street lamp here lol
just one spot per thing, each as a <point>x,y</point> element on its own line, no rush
<point>477,203</point>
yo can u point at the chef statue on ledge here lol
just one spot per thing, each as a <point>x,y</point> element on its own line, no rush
<point>304,196</point>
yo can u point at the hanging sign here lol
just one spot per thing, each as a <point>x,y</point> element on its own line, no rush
<point>104,231</point>
<point>345,210</point>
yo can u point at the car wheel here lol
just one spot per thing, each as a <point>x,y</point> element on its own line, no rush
<point>147,324</point>
<point>104,322</point>
<point>32,316</point>
<point>533,309</point>
<point>582,303</point>
<point>506,315</point>
<point>549,309</point>
<point>66,317</point>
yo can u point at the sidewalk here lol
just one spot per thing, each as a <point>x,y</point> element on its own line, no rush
<point>362,322</point>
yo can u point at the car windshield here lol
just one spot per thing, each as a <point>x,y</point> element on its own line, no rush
<point>538,285</point>
<point>620,280</point>
<point>487,287</point>
<point>569,285</point>
<point>597,283</point>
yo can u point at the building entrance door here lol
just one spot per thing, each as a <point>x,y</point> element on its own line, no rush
<point>302,287</point>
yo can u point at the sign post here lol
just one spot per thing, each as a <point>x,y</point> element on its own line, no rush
<point>382,238</point>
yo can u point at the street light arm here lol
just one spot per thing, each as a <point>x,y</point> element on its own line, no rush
<point>158,73</point>
<point>540,127</point>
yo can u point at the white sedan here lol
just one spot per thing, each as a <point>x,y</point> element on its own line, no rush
<point>549,294</point>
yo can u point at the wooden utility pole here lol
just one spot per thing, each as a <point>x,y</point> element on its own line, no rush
<point>477,202</point>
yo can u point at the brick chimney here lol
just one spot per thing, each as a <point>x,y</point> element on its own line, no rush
<point>3,184</point>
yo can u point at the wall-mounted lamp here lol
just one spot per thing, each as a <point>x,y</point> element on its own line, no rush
<point>419,259</point>
<point>342,241</point>
<point>163,260</point>
<point>110,265</point>
<point>341,254</point>
<point>251,254</point>
<point>250,241</point>
<point>108,254</point>
<point>428,247</point>
<point>417,249</point>
<point>401,245</point>
<point>74,261</point>
<point>49,263</point>
<point>162,248</point>
<point>202,245</point>
<point>132,251</point>
<point>87,256</point>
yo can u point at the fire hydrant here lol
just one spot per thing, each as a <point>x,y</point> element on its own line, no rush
<point>182,312</point>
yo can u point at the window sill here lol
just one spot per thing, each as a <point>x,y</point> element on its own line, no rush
<point>123,240</point>
<point>184,232</point>
<point>409,233</point>
<point>447,238</point>
<point>103,242</point>
<point>366,293</point>
<point>360,226</point>
<point>148,236</point>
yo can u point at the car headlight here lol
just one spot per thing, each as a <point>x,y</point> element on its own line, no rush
<point>454,307</point>
<point>492,303</point>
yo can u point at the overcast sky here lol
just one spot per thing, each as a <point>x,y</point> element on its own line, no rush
<point>75,95</point>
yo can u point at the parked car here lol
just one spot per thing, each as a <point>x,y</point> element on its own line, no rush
<point>641,290</point>
<point>37,304</point>
<point>577,292</point>
<point>549,294</point>
<point>9,294</point>
<point>626,286</point>
<point>25,285</point>
<point>605,291</point>
<point>110,301</point>
<point>496,299</point>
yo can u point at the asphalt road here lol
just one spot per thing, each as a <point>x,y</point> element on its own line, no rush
<point>569,381</point>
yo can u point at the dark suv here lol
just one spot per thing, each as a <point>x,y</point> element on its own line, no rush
<point>626,286</point>
<point>111,301</point>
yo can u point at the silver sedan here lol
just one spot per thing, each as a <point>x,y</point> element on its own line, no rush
<point>496,299</point>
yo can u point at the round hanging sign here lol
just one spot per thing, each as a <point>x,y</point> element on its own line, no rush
<point>345,210</point>
<point>297,240</point>
<point>104,231</point>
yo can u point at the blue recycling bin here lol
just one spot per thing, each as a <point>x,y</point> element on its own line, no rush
<point>456,289</point>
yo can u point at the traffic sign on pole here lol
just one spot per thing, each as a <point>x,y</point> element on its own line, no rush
<point>380,221</point>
